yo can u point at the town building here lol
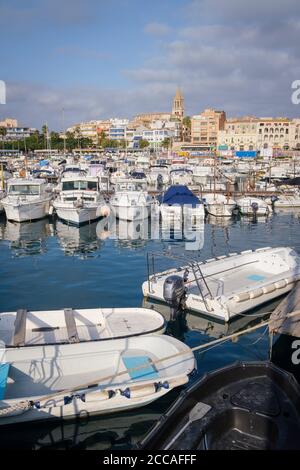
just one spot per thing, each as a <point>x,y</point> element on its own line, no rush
<point>9,122</point>
<point>178,105</point>
<point>18,133</point>
<point>205,128</point>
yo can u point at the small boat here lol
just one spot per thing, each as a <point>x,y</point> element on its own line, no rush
<point>244,406</point>
<point>219,205</point>
<point>181,176</point>
<point>99,377</point>
<point>227,286</point>
<point>131,200</point>
<point>178,203</point>
<point>27,199</point>
<point>80,200</point>
<point>253,206</point>
<point>39,328</point>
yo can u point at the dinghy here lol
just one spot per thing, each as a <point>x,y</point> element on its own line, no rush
<point>246,406</point>
<point>227,286</point>
<point>25,328</point>
<point>63,381</point>
<point>253,206</point>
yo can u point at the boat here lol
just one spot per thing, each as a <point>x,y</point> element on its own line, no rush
<point>27,199</point>
<point>253,206</point>
<point>219,205</point>
<point>183,176</point>
<point>80,200</point>
<point>131,200</point>
<point>65,381</point>
<point>284,201</point>
<point>39,328</point>
<point>229,285</point>
<point>178,203</point>
<point>244,406</point>
<point>158,176</point>
<point>72,170</point>
<point>2,196</point>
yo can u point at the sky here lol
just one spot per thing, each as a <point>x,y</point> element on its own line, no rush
<point>66,61</point>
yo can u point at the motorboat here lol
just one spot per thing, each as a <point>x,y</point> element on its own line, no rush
<point>63,381</point>
<point>80,200</point>
<point>27,199</point>
<point>229,285</point>
<point>244,406</point>
<point>219,205</point>
<point>178,203</point>
<point>131,200</point>
<point>2,195</point>
<point>182,176</point>
<point>158,176</point>
<point>253,206</point>
<point>73,170</point>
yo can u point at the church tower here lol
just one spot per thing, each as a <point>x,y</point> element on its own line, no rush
<point>178,105</point>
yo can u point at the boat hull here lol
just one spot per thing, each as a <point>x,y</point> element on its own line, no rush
<point>77,216</point>
<point>26,211</point>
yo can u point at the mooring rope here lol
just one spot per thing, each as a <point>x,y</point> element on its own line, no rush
<point>96,382</point>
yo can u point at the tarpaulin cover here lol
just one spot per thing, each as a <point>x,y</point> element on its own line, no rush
<point>179,194</point>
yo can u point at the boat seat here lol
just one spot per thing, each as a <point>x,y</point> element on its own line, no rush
<point>4,368</point>
<point>20,328</point>
<point>71,325</point>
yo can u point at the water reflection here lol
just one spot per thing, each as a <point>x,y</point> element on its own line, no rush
<point>78,241</point>
<point>27,238</point>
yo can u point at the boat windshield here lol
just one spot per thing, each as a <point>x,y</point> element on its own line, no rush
<point>79,185</point>
<point>31,189</point>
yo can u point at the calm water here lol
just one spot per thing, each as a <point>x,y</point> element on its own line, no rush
<point>49,265</point>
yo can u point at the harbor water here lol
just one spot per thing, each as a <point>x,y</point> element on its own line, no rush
<point>49,265</point>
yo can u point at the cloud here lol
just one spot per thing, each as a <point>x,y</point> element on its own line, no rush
<point>157,29</point>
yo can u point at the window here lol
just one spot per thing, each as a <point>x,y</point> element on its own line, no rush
<point>25,189</point>
<point>79,185</point>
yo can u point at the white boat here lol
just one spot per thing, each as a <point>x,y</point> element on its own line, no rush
<point>131,200</point>
<point>179,204</point>
<point>219,205</point>
<point>73,170</point>
<point>183,176</point>
<point>2,196</point>
<point>158,176</point>
<point>253,206</point>
<point>227,286</point>
<point>65,381</point>
<point>284,201</point>
<point>26,200</point>
<point>80,200</point>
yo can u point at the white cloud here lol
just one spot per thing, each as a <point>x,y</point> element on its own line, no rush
<point>157,29</point>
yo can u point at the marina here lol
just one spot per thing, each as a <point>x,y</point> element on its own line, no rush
<point>78,264</point>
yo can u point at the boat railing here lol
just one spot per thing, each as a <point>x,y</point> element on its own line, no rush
<point>194,266</point>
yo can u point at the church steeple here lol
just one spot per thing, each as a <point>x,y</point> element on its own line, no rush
<point>178,104</point>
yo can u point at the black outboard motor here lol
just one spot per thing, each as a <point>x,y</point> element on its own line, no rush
<point>174,294</point>
<point>254,206</point>
<point>273,200</point>
<point>159,182</point>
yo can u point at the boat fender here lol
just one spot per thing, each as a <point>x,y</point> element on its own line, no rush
<point>280,284</point>
<point>289,280</point>
<point>256,293</point>
<point>142,391</point>
<point>242,297</point>
<point>269,289</point>
<point>126,393</point>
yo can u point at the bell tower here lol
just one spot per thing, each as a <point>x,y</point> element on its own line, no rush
<point>178,105</point>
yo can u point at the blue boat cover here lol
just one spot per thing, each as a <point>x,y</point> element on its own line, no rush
<point>180,195</point>
<point>4,368</point>
<point>44,162</point>
<point>147,372</point>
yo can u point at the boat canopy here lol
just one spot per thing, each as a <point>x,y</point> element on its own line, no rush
<point>179,194</point>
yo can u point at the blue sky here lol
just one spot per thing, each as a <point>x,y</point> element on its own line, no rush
<point>98,58</point>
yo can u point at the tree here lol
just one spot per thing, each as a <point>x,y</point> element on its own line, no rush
<point>166,142</point>
<point>143,143</point>
<point>187,122</point>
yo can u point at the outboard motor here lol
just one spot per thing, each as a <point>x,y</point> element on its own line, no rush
<point>254,206</point>
<point>159,182</point>
<point>174,294</point>
<point>273,200</point>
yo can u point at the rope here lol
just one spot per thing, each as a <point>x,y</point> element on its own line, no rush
<point>158,361</point>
